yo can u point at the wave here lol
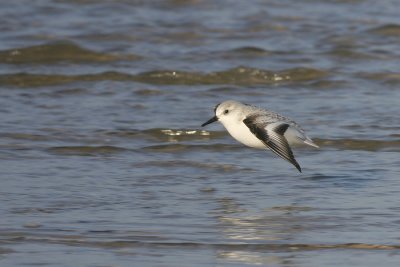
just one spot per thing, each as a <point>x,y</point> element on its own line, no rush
<point>235,76</point>
<point>360,144</point>
<point>386,77</point>
<point>132,242</point>
<point>171,140</point>
<point>386,30</point>
<point>85,150</point>
<point>57,52</point>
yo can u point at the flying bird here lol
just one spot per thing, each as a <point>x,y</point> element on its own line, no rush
<point>260,128</point>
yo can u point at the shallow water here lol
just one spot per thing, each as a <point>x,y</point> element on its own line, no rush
<point>104,163</point>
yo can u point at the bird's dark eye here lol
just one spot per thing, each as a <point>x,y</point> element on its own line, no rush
<point>226,111</point>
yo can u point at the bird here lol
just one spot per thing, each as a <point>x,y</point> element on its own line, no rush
<point>261,128</point>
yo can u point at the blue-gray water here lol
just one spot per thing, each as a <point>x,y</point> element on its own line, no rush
<point>104,163</point>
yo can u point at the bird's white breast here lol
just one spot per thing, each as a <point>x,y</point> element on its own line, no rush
<point>242,133</point>
<point>239,131</point>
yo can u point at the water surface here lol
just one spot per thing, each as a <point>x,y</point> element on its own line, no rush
<point>104,163</point>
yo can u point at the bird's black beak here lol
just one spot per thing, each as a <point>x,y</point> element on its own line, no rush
<point>213,119</point>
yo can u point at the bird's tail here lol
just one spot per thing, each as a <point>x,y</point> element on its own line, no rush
<point>310,142</point>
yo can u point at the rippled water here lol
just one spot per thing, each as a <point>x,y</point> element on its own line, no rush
<point>104,162</point>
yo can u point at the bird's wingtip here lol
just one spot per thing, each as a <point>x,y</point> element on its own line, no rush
<point>296,164</point>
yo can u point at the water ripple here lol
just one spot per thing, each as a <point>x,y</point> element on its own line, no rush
<point>57,52</point>
<point>235,76</point>
<point>90,241</point>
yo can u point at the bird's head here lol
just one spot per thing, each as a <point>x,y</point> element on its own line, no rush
<point>225,111</point>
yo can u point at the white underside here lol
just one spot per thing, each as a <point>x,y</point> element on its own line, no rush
<point>242,133</point>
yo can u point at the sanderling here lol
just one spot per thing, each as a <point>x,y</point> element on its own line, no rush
<point>261,128</point>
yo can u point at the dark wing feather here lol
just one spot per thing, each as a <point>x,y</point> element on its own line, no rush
<point>273,138</point>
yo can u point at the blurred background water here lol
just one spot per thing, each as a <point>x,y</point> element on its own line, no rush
<point>104,163</point>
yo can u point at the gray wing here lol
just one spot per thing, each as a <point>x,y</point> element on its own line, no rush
<point>272,135</point>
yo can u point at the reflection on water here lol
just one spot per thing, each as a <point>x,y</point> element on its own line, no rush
<point>255,258</point>
<point>242,226</point>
